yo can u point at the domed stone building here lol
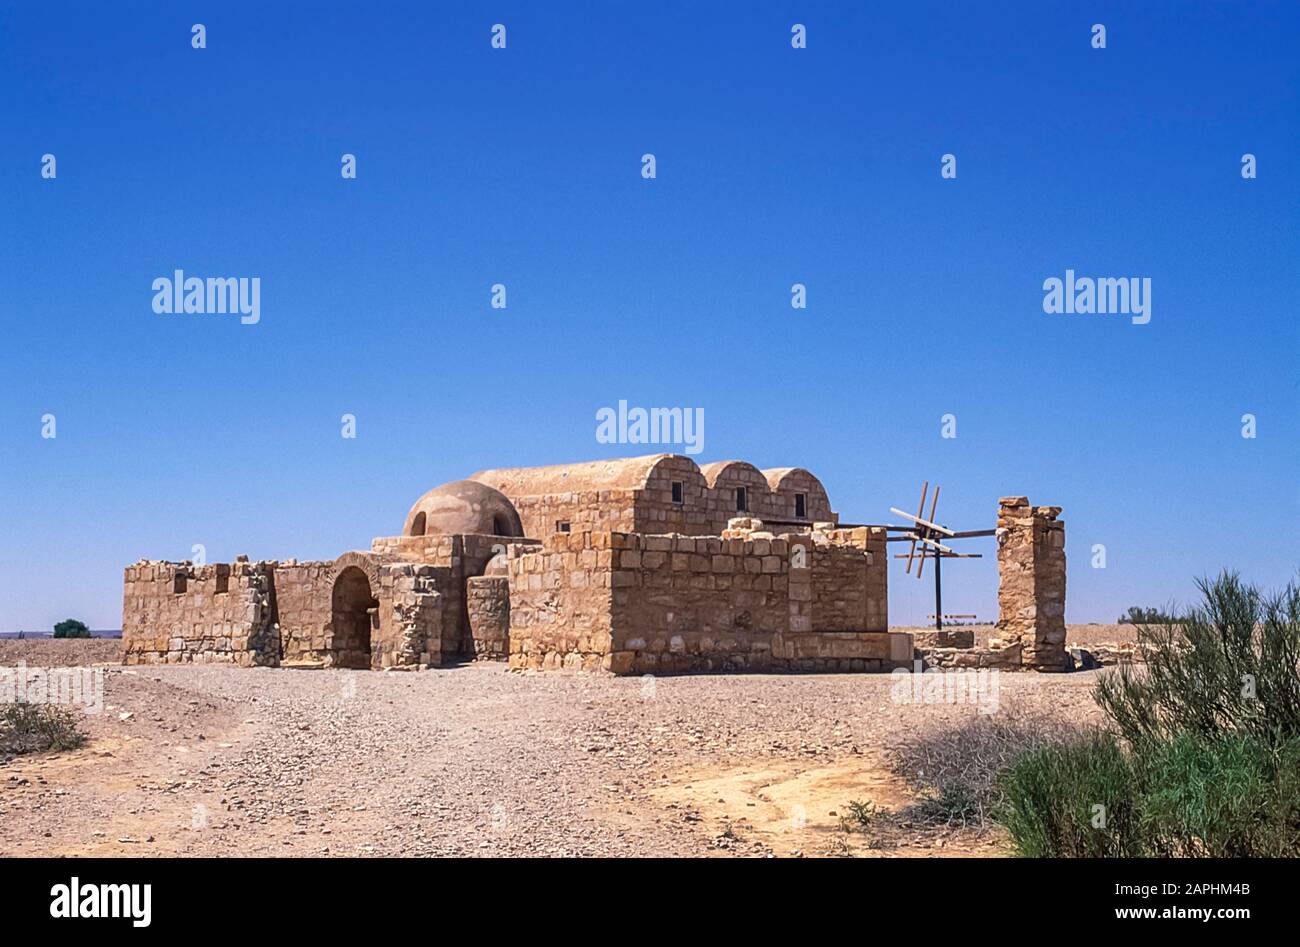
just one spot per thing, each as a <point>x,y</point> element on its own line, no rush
<point>639,565</point>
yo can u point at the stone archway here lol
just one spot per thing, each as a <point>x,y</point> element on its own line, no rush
<point>354,618</point>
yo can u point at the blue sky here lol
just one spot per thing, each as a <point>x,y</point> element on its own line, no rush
<point>522,166</point>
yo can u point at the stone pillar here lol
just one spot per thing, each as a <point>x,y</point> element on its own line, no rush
<point>1031,582</point>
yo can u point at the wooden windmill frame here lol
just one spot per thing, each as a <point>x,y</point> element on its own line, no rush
<point>929,533</point>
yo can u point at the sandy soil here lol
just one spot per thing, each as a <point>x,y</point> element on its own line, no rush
<point>60,652</point>
<point>475,760</point>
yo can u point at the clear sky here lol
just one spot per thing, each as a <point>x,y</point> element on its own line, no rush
<point>523,167</point>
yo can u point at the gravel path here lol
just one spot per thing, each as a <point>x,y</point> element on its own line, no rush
<point>471,760</point>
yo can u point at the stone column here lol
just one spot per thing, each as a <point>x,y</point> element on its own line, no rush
<point>1031,582</point>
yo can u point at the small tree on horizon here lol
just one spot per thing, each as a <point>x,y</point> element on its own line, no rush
<point>71,628</point>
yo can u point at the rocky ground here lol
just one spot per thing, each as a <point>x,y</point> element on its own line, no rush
<point>216,760</point>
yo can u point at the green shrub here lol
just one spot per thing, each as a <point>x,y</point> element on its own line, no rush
<point>1227,666</point>
<point>1231,797</point>
<point>1078,799</point>
<point>71,628</point>
<point>1203,757</point>
<point>34,728</point>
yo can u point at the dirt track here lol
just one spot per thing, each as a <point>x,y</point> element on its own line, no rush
<point>475,760</point>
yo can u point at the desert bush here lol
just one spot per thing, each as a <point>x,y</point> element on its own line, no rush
<point>1229,665</point>
<point>71,628</point>
<point>34,728</point>
<point>1078,799</point>
<point>959,770</point>
<point>1231,797</point>
<point>1227,797</point>
<point>1202,757</point>
<point>1137,615</point>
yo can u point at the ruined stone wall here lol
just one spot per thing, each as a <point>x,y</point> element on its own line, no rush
<point>488,604</point>
<point>464,556</point>
<point>1031,582</point>
<point>176,612</point>
<point>413,617</point>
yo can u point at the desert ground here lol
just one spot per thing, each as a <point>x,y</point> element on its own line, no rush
<point>475,760</point>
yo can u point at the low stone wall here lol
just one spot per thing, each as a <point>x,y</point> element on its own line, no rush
<point>947,638</point>
<point>176,612</point>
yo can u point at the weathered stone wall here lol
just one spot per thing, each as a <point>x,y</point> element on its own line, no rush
<point>488,604</point>
<point>463,556</point>
<point>850,588</point>
<point>631,603</point>
<point>781,503</point>
<point>1031,582</point>
<point>654,510</point>
<point>413,616</point>
<point>176,612</point>
<point>560,601</point>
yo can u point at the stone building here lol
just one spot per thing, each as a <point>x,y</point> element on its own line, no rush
<point>646,564</point>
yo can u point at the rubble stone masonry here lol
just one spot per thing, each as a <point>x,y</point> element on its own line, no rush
<point>1031,589</point>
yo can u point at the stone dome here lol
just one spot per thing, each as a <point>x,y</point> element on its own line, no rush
<point>463,506</point>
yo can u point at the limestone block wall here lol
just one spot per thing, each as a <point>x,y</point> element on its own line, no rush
<point>560,601</point>
<point>1031,582</point>
<point>409,625</point>
<point>488,605</point>
<point>582,510</point>
<point>632,604</point>
<point>697,603</point>
<point>303,598</point>
<point>176,612</point>
<point>786,483</point>
<point>655,511</point>
<point>725,478</point>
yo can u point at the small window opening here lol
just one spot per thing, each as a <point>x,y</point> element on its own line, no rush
<point>677,491</point>
<point>178,583</point>
<point>562,526</point>
<point>417,525</point>
<point>800,505</point>
<point>223,581</point>
<point>742,500</point>
<point>499,526</point>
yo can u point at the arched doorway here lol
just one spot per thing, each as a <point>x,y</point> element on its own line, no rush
<point>355,617</point>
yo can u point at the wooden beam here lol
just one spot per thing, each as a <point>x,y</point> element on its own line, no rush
<point>925,486</point>
<point>933,504</point>
<point>937,545</point>
<point>926,523</point>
